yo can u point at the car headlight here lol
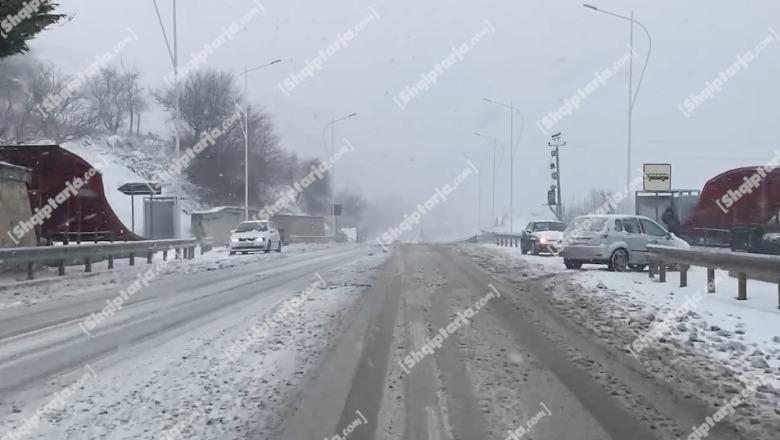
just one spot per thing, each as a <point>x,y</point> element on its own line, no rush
<point>234,240</point>
<point>542,240</point>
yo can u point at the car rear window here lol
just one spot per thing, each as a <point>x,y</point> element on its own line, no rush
<point>588,224</point>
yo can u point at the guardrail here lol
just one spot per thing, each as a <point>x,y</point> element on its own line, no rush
<point>88,253</point>
<point>296,239</point>
<point>766,267</point>
<point>508,240</point>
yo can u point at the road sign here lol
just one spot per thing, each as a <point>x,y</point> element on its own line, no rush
<point>658,176</point>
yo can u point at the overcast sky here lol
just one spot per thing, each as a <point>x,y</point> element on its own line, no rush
<point>536,53</point>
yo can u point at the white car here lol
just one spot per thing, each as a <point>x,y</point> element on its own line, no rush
<point>255,236</point>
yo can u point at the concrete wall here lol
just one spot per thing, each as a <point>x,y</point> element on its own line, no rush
<point>14,205</point>
<point>218,223</point>
<point>301,228</point>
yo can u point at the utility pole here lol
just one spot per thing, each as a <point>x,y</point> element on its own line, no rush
<point>512,151</point>
<point>556,143</point>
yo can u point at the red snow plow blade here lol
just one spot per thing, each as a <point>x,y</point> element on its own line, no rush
<point>72,214</point>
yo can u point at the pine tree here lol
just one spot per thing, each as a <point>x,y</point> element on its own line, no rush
<point>21,21</point>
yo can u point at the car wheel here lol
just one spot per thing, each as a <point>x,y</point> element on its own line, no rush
<point>523,249</point>
<point>268,248</point>
<point>572,264</point>
<point>637,267</point>
<point>618,262</point>
<point>534,248</point>
<point>279,246</point>
<point>232,253</point>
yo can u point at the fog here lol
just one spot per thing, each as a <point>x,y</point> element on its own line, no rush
<point>535,54</point>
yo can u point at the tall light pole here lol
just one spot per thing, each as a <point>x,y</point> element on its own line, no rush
<point>493,196</point>
<point>632,95</point>
<point>246,131</point>
<point>173,53</point>
<point>512,151</point>
<point>332,125</point>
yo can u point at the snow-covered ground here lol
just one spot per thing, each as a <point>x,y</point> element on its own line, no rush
<point>228,376</point>
<point>707,337</point>
<point>16,291</point>
<point>123,160</point>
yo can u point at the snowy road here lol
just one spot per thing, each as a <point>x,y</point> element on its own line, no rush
<point>426,342</point>
<point>44,347</point>
<point>407,369</point>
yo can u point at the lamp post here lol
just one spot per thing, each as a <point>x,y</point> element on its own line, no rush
<point>246,131</point>
<point>173,53</point>
<point>632,95</point>
<point>332,125</point>
<point>512,150</point>
<point>493,196</point>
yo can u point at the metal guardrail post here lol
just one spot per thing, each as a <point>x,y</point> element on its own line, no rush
<point>742,283</point>
<point>710,280</point>
<point>61,268</point>
<point>165,255</point>
<point>149,257</point>
<point>30,270</point>
<point>684,275</point>
<point>110,261</point>
<point>87,265</point>
<point>132,259</point>
<point>661,271</point>
<point>651,269</point>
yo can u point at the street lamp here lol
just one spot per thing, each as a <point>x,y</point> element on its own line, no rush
<point>174,55</point>
<point>332,125</point>
<point>632,95</point>
<point>512,151</point>
<point>493,202</point>
<point>246,131</point>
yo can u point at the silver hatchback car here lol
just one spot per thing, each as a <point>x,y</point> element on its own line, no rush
<point>619,241</point>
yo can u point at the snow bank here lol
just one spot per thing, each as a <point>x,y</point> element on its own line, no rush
<point>123,161</point>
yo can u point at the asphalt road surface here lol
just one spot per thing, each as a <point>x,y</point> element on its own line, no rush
<point>434,348</point>
<point>519,367</point>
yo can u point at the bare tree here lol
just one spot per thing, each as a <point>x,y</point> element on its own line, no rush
<point>25,84</point>
<point>106,94</point>
<point>211,101</point>
<point>135,103</point>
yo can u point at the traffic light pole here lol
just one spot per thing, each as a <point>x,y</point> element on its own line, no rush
<point>556,143</point>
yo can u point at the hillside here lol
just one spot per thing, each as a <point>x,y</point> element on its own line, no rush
<point>122,159</point>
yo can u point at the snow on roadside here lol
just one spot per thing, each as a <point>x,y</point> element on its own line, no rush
<point>15,291</point>
<point>675,332</point>
<point>718,324</point>
<point>198,385</point>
